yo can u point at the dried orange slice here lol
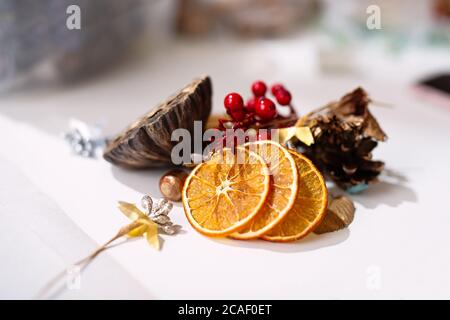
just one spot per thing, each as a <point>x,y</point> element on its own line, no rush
<point>310,205</point>
<point>283,188</point>
<point>223,194</point>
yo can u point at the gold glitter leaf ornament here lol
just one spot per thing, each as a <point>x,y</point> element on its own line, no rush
<point>146,228</point>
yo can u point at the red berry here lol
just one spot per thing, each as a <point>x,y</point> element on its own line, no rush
<point>237,115</point>
<point>251,104</point>
<point>283,97</point>
<point>277,87</point>
<point>259,88</point>
<point>265,109</point>
<point>233,102</point>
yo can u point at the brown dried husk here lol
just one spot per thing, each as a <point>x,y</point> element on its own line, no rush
<point>339,215</point>
<point>147,142</point>
<point>345,134</point>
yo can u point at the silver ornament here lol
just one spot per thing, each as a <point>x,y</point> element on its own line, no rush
<point>85,141</point>
<point>147,204</point>
<point>158,211</point>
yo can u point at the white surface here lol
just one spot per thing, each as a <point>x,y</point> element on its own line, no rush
<point>397,246</point>
<point>39,241</point>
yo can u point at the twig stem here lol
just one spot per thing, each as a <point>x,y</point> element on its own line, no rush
<point>83,263</point>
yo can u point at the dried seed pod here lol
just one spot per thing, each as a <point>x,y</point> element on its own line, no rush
<point>345,134</point>
<point>147,142</point>
<point>339,215</point>
<point>171,184</point>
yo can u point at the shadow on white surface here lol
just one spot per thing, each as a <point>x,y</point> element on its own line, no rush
<point>142,181</point>
<point>387,193</point>
<point>310,243</point>
<point>391,191</point>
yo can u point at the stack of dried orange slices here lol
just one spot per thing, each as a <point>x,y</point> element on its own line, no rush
<point>260,190</point>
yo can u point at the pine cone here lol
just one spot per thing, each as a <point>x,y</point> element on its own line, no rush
<point>345,133</point>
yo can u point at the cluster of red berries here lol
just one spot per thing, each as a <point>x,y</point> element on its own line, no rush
<point>258,108</point>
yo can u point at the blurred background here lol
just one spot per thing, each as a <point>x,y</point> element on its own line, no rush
<point>128,55</point>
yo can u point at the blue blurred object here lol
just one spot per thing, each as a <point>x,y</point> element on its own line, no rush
<point>357,188</point>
